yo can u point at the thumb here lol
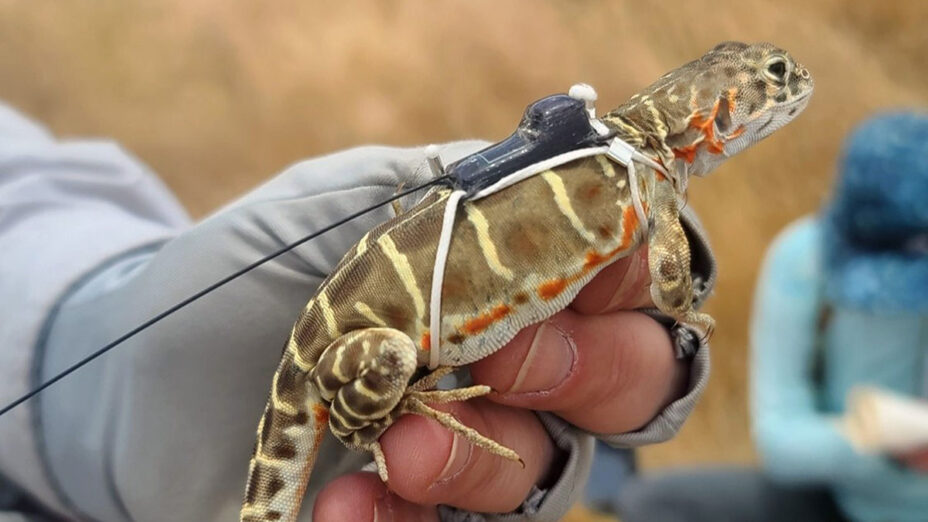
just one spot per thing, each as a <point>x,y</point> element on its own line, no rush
<point>623,285</point>
<point>363,497</point>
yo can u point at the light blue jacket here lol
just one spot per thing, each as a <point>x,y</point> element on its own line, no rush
<point>794,413</point>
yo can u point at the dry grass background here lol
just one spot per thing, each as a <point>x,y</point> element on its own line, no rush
<point>217,96</point>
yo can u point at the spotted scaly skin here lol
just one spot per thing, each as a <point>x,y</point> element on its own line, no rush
<point>516,258</point>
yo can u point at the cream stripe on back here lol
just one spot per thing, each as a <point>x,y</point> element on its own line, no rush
<point>404,271</point>
<point>365,310</point>
<point>563,204</point>
<point>487,246</point>
<point>328,314</point>
<point>294,348</point>
<point>606,165</point>
<point>278,404</point>
<point>362,245</point>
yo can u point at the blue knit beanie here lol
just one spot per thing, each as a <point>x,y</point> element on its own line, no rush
<point>876,225</point>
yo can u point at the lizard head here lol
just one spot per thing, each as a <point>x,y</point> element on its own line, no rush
<point>714,107</point>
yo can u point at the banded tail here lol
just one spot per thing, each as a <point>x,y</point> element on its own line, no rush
<point>289,435</point>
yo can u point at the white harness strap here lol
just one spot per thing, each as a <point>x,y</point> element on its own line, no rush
<point>438,276</point>
<point>624,154</point>
<point>617,150</point>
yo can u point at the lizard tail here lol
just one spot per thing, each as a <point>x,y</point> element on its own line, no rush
<point>289,434</point>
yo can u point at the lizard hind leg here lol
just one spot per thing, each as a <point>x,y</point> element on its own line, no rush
<point>365,376</point>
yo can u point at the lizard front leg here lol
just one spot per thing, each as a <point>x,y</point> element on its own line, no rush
<point>365,375</point>
<point>669,262</point>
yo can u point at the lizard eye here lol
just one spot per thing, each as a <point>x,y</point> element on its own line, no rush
<point>776,70</point>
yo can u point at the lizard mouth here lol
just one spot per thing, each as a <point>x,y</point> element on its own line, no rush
<point>760,130</point>
<point>802,98</point>
<point>793,107</point>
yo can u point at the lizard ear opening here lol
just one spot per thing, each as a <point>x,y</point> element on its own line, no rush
<point>723,115</point>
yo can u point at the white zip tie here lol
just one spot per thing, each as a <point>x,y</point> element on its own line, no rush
<point>624,154</point>
<point>438,276</point>
<point>536,168</point>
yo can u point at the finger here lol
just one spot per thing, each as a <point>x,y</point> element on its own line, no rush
<point>607,373</point>
<point>428,464</point>
<point>362,497</point>
<point>623,285</point>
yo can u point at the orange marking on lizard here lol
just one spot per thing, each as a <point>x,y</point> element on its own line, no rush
<point>737,132</point>
<point>553,288</point>
<point>593,259</point>
<point>731,99</point>
<point>707,128</point>
<point>426,341</point>
<point>483,321</point>
<point>629,224</point>
<point>688,153</point>
<point>320,415</point>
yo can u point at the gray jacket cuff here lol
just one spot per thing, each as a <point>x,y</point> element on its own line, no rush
<point>668,422</point>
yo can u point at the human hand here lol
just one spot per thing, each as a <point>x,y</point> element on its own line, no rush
<point>182,399</point>
<point>597,365</point>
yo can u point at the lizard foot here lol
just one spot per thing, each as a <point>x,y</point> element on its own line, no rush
<point>413,403</point>
<point>703,322</point>
<point>420,393</point>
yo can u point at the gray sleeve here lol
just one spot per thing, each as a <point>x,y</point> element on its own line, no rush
<point>65,206</point>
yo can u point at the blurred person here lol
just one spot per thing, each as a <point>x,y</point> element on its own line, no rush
<point>842,303</point>
<point>162,426</point>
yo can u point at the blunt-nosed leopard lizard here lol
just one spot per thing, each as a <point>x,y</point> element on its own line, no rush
<point>515,258</point>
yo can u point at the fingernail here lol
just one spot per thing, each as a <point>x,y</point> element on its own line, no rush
<point>458,458</point>
<point>390,508</point>
<point>550,360</point>
<point>383,509</point>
